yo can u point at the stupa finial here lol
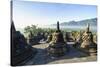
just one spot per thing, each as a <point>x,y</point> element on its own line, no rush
<point>88,27</point>
<point>58,28</point>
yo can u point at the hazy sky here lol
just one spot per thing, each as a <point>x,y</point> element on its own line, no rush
<point>29,12</point>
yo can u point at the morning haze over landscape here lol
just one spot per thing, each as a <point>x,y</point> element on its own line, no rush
<point>52,33</point>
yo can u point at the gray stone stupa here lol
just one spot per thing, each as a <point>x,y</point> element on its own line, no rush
<point>78,40</point>
<point>49,38</point>
<point>21,52</point>
<point>88,44</point>
<point>57,46</point>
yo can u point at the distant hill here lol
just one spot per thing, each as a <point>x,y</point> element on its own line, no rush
<point>92,22</point>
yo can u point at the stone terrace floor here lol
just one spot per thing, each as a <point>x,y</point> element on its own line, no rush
<point>72,56</point>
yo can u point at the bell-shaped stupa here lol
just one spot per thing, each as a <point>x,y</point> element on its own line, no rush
<point>57,46</point>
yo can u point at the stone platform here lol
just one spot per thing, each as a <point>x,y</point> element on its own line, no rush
<point>73,56</point>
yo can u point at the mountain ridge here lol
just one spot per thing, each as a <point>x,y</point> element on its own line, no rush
<point>92,21</point>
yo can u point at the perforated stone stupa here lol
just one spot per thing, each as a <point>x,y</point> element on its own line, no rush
<point>88,44</point>
<point>57,47</point>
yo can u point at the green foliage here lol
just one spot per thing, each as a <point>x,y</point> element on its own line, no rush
<point>27,29</point>
<point>35,30</point>
<point>32,29</point>
<point>50,30</point>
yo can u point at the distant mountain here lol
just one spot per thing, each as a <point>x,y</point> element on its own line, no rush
<point>92,22</point>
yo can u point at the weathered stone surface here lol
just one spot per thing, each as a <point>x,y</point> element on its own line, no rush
<point>33,40</point>
<point>78,40</point>
<point>74,55</point>
<point>69,37</point>
<point>20,51</point>
<point>95,38</point>
<point>49,38</point>
<point>57,47</point>
<point>88,44</point>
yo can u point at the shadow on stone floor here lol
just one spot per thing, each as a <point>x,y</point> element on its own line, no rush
<point>42,56</point>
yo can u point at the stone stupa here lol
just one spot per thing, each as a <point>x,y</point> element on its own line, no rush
<point>78,40</point>
<point>88,44</point>
<point>21,52</point>
<point>49,38</point>
<point>69,37</point>
<point>57,46</point>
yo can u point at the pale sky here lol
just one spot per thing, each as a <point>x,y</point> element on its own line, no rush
<point>40,13</point>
